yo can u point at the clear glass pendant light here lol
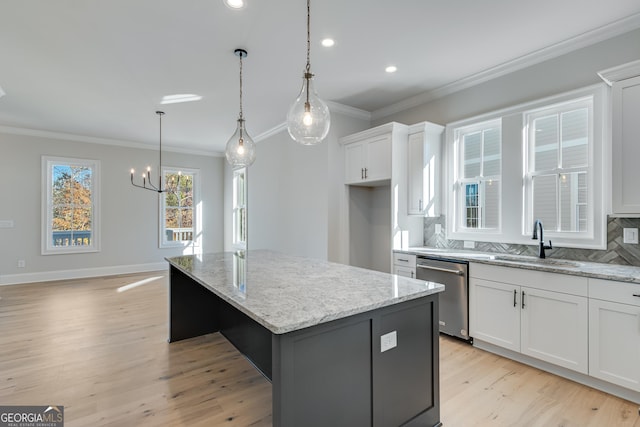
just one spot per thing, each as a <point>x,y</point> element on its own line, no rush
<point>308,120</point>
<point>241,150</point>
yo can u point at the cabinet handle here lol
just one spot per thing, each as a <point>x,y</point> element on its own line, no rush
<point>362,173</point>
<point>403,260</point>
<point>412,274</point>
<point>636,295</point>
<point>522,299</point>
<point>365,173</point>
<point>515,293</point>
<point>419,205</point>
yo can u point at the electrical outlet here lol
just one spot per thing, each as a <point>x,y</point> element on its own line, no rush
<point>630,235</point>
<point>21,263</point>
<point>388,341</point>
<point>438,228</point>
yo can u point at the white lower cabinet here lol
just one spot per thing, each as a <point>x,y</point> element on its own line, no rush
<point>614,332</point>
<point>547,319</point>
<point>404,264</point>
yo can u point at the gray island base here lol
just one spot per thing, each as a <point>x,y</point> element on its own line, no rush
<point>342,346</point>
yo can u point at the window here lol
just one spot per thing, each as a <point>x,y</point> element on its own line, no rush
<point>542,160</point>
<point>70,197</point>
<point>240,208</point>
<point>478,176</point>
<point>180,219</point>
<point>558,167</point>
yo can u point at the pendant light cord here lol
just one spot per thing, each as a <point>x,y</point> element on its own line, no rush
<point>241,55</point>
<point>160,113</point>
<point>308,36</point>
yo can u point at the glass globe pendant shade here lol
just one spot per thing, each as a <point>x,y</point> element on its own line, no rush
<point>241,150</point>
<point>308,120</point>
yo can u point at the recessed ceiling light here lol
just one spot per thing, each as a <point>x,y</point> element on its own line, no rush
<point>328,42</point>
<point>234,4</point>
<point>391,69</point>
<point>182,97</point>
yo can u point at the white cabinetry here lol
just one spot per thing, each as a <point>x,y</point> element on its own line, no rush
<point>404,264</point>
<point>625,82</point>
<point>614,332</point>
<point>368,160</point>
<point>424,169</point>
<point>539,314</point>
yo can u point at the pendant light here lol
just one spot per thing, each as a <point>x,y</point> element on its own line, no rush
<point>241,150</point>
<point>308,119</point>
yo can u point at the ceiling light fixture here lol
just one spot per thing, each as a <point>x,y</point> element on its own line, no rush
<point>241,150</point>
<point>181,97</point>
<point>234,4</point>
<point>308,120</point>
<point>146,178</point>
<point>391,69</point>
<point>327,42</point>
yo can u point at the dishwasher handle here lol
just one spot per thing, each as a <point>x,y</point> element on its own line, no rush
<point>444,270</point>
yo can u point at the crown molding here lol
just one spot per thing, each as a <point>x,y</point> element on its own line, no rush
<point>621,72</point>
<point>270,132</point>
<point>605,32</point>
<point>104,141</point>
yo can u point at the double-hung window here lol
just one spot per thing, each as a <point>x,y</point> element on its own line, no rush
<point>477,177</point>
<point>70,205</point>
<point>558,167</point>
<point>179,213</point>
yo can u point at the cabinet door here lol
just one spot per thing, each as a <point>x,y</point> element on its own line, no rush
<point>614,343</point>
<point>354,162</point>
<point>495,313</point>
<point>555,328</point>
<point>404,271</point>
<point>378,158</point>
<point>626,146</point>
<point>415,173</point>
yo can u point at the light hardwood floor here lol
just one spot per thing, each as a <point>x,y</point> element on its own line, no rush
<point>103,354</point>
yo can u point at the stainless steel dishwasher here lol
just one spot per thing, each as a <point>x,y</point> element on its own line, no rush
<point>454,301</point>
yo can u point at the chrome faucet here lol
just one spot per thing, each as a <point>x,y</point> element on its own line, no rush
<point>538,225</point>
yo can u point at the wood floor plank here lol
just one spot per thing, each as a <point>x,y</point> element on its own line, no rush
<point>104,355</point>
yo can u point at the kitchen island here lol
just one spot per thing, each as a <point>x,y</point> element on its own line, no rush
<point>342,346</point>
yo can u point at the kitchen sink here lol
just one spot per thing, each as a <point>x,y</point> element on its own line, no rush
<point>549,262</point>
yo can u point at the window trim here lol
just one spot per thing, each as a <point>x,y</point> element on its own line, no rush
<point>455,208</point>
<point>513,227</point>
<point>530,115</point>
<point>196,242</point>
<point>47,247</point>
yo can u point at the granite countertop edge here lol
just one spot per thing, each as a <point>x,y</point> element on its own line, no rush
<point>616,272</point>
<point>430,289</point>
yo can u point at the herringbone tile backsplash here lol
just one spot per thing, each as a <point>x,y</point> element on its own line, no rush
<point>616,252</point>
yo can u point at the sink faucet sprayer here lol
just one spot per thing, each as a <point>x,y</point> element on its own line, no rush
<point>538,225</point>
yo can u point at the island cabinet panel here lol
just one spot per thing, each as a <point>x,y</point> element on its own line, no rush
<point>341,365</point>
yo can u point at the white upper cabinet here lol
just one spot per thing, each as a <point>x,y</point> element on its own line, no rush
<point>625,83</point>
<point>424,169</point>
<point>368,154</point>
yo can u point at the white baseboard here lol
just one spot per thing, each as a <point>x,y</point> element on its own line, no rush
<point>81,273</point>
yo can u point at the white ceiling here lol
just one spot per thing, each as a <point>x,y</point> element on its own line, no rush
<point>99,68</point>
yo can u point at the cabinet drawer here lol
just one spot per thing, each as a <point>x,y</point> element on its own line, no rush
<point>403,259</point>
<point>554,282</point>
<point>609,290</point>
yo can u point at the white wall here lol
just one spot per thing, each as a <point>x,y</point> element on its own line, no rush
<point>129,216</point>
<point>297,194</point>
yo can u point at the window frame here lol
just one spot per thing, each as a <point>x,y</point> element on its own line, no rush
<point>457,229</point>
<point>47,246</point>
<point>528,118</point>
<point>196,242</point>
<point>514,222</point>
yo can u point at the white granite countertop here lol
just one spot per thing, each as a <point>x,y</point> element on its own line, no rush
<point>623,273</point>
<point>286,293</point>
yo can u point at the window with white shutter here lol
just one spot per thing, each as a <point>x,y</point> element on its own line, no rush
<point>558,142</point>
